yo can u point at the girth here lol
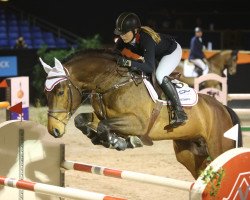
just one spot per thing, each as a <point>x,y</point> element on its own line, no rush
<point>155,113</point>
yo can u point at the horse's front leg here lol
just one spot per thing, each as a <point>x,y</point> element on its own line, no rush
<point>110,139</point>
<point>87,123</point>
<point>120,132</point>
<point>102,135</point>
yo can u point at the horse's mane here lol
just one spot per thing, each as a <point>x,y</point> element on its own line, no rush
<point>102,52</point>
<point>218,54</point>
<point>233,52</point>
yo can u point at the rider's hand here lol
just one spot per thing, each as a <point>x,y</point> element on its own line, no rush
<point>123,61</point>
<point>205,61</point>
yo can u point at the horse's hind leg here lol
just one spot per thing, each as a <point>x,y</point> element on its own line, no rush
<point>184,154</point>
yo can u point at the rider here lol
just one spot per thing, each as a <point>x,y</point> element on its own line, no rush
<point>196,54</point>
<point>150,46</point>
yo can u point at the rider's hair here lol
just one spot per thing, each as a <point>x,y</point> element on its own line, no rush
<point>156,37</point>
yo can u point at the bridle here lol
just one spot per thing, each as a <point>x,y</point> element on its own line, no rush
<point>69,109</point>
<point>230,61</point>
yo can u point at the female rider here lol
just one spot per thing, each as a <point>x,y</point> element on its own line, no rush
<point>150,46</point>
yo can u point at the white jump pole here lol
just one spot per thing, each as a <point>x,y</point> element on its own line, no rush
<point>128,175</point>
<point>238,97</point>
<point>71,193</point>
<point>242,111</point>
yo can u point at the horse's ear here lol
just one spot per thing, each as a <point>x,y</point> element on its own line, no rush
<point>58,64</point>
<point>46,67</point>
<point>236,51</point>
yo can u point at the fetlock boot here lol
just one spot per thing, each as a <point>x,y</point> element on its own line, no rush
<point>170,91</point>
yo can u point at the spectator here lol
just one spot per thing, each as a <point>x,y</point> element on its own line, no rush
<point>20,43</point>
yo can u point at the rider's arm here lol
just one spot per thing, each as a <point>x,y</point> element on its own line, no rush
<point>148,44</point>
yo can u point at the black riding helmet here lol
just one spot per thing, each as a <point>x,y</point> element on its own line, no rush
<point>126,22</point>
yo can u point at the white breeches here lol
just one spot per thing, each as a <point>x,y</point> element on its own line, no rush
<point>168,63</point>
<point>199,63</point>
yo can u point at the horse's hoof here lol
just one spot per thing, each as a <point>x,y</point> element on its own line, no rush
<point>134,142</point>
<point>119,144</point>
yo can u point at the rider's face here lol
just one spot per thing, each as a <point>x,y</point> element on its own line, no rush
<point>198,34</point>
<point>127,37</point>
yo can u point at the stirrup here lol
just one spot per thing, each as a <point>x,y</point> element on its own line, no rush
<point>181,115</point>
<point>174,123</point>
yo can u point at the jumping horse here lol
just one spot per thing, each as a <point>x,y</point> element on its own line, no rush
<point>220,61</point>
<point>123,110</point>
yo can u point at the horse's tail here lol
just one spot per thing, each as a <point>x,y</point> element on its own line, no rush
<point>236,120</point>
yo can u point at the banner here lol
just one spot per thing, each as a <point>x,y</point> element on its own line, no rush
<point>18,91</point>
<point>8,66</point>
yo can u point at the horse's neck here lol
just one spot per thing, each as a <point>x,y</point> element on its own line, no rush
<point>217,65</point>
<point>215,68</point>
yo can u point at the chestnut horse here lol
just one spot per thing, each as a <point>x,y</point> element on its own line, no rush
<point>225,59</point>
<point>123,109</point>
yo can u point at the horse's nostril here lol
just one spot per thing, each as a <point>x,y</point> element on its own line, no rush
<point>56,133</point>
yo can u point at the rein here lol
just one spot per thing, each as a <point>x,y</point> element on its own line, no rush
<point>133,78</point>
<point>116,86</point>
<point>100,95</point>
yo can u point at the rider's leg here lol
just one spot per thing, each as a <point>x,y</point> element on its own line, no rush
<point>170,91</point>
<point>201,64</point>
<point>166,66</point>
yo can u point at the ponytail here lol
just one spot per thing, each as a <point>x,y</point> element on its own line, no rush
<point>156,37</point>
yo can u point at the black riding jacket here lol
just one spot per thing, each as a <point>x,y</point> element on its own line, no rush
<point>146,47</point>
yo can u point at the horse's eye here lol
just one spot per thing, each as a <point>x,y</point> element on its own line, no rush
<point>60,93</point>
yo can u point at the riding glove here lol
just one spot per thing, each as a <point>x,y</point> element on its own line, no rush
<point>123,61</point>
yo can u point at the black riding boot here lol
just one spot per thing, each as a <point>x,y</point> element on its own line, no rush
<point>179,115</point>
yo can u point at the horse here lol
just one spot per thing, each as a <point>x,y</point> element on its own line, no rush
<point>123,110</point>
<point>220,61</point>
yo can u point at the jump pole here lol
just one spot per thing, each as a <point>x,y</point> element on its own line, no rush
<point>238,97</point>
<point>68,192</point>
<point>128,175</point>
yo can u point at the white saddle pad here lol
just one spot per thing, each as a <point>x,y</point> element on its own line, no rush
<point>188,96</point>
<point>188,69</point>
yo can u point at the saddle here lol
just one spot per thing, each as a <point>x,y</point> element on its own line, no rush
<point>173,76</point>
